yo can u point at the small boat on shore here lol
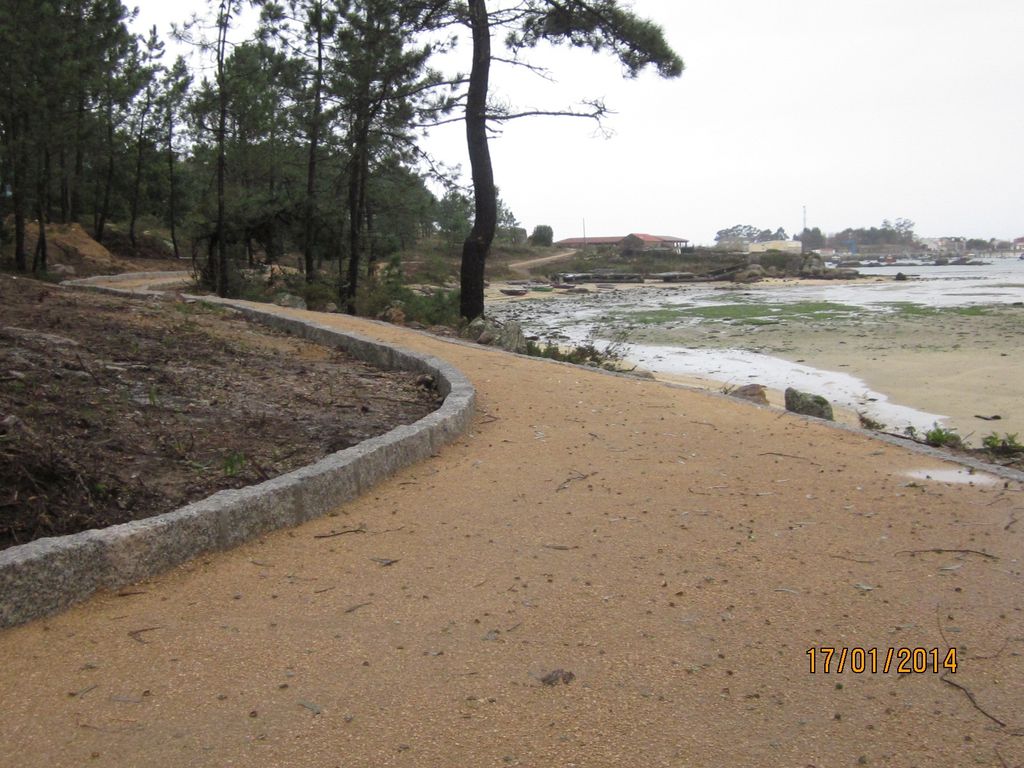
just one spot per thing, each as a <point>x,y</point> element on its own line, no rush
<point>514,291</point>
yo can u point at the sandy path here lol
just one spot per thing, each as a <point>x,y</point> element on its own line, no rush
<point>678,552</point>
<point>523,267</point>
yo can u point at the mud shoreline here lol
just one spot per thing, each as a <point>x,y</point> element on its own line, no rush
<point>954,364</point>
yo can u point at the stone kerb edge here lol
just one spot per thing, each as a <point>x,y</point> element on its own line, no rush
<point>50,574</point>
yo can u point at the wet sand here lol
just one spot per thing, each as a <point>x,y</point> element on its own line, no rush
<point>959,366</point>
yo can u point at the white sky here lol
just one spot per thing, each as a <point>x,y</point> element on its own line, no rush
<point>859,111</point>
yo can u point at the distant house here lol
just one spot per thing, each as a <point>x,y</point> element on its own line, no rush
<point>945,244</point>
<point>1018,244</point>
<point>633,242</point>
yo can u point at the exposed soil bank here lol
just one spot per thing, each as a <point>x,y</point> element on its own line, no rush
<point>115,409</point>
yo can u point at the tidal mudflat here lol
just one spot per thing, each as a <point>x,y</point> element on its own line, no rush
<point>941,347</point>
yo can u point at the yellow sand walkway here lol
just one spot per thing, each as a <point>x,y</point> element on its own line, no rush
<point>677,552</point>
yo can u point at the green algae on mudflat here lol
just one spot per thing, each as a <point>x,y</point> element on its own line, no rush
<point>748,314</point>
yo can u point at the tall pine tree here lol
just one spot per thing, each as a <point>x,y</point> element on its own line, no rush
<point>594,24</point>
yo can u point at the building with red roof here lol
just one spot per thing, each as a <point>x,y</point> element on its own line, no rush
<point>637,241</point>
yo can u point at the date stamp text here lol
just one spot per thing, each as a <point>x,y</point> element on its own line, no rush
<point>828,660</point>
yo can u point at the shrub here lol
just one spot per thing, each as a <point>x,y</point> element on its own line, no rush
<point>586,353</point>
<point>317,294</point>
<point>940,437</point>
<point>1006,445</point>
<point>439,308</point>
<point>867,422</point>
<point>380,294</point>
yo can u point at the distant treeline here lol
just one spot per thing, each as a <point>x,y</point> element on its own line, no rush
<point>896,234</point>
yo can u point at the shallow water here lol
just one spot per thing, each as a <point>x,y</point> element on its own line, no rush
<point>1002,282</point>
<point>955,476</point>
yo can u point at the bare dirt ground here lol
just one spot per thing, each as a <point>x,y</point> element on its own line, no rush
<point>603,572</point>
<point>112,410</point>
<point>74,253</point>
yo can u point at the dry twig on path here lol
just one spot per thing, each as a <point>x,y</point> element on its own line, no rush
<point>576,475</point>
<point>940,550</point>
<point>790,456</point>
<point>854,560</point>
<point>973,700</point>
<point>332,534</point>
<point>136,634</point>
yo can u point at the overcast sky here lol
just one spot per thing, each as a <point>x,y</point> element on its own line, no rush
<point>860,111</point>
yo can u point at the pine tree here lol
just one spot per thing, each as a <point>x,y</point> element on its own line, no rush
<point>307,33</point>
<point>594,24</point>
<point>174,91</point>
<point>384,86</point>
<point>147,73</point>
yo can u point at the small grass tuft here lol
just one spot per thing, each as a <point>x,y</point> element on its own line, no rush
<point>1007,445</point>
<point>941,437</point>
<point>234,463</point>
<point>866,422</point>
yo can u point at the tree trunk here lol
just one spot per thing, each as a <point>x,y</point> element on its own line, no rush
<point>39,258</point>
<point>137,185</point>
<point>271,237</point>
<point>478,244</point>
<point>356,206</point>
<point>20,259</point>
<point>65,186</point>
<point>172,192</point>
<point>309,246</point>
<point>45,183</point>
<point>79,171</point>
<point>371,250</point>
<point>220,272</point>
<point>96,204</point>
<point>18,171</point>
<point>101,222</point>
